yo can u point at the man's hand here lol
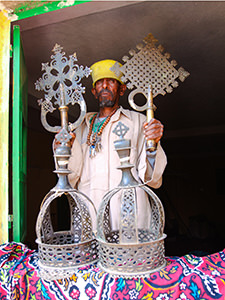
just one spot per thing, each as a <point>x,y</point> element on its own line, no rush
<point>153,130</point>
<point>57,143</point>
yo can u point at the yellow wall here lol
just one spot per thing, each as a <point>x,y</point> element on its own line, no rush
<point>4,122</point>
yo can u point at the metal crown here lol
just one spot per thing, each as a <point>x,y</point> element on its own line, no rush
<point>130,251</point>
<point>61,252</point>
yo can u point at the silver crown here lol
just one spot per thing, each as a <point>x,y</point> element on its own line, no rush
<point>131,250</point>
<point>61,252</point>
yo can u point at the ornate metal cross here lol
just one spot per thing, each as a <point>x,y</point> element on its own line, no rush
<point>150,73</point>
<point>61,85</point>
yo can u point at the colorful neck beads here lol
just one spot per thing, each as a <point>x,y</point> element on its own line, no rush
<point>94,138</point>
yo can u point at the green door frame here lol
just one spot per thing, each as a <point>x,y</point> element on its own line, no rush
<point>19,138</point>
<point>34,8</point>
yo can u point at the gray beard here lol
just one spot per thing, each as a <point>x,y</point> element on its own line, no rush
<point>106,103</point>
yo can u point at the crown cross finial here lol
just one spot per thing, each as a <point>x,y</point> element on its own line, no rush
<point>120,130</point>
<point>63,136</point>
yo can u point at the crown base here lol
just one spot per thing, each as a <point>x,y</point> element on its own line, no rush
<point>130,260</point>
<point>57,261</point>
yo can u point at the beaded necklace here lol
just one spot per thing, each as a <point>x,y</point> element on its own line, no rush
<point>94,138</point>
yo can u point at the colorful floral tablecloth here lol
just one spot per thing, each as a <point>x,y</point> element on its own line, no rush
<point>188,277</point>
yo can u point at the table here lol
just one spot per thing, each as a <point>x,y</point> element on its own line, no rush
<point>184,278</point>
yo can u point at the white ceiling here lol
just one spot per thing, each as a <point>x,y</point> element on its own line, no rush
<point>192,32</point>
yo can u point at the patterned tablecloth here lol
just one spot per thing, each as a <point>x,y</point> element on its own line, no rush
<point>187,277</point>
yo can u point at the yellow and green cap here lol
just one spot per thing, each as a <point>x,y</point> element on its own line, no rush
<point>102,69</point>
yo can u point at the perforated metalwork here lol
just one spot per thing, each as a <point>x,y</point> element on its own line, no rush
<point>103,218</point>
<point>47,229</point>
<point>47,104</point>
<point>128,219</point>
<point>62,252</point>
<point>131,259</point>
<point>149,66</point>
<point>130,250</point>
<point>157,217</point>
<point>50,273</point>
<point>59,262</point>
<point>61,84</point>
<point>62,73</point>
<point>106,219</point>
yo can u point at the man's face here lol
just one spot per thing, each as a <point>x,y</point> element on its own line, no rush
<point>107,91</point>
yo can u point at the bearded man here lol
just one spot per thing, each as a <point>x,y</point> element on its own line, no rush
<point>94,160</point>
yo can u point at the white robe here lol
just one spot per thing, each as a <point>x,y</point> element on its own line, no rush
<point>96,176</point>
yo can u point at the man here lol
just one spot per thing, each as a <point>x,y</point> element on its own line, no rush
<point>94,160</point>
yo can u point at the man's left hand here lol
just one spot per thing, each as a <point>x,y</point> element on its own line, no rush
<point>153,130</point>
